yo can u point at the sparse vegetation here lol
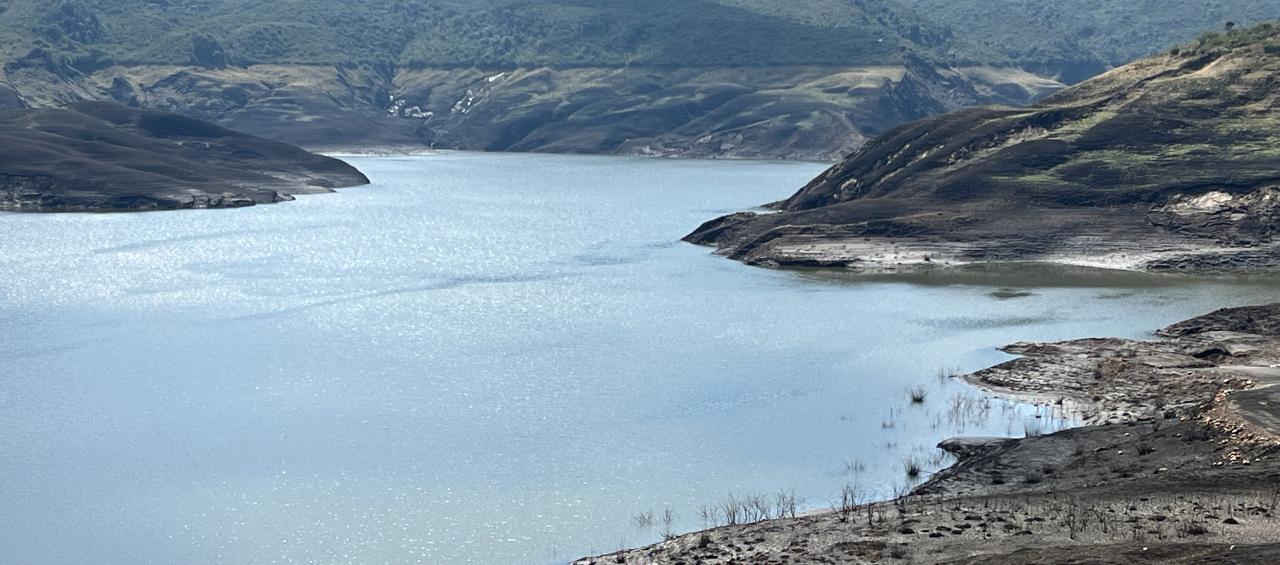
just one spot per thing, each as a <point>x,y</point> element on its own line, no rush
<point>944,374</point>
<point>918,394</point>
<point>737,509</point>
<point>643,520</point>
<point>1033,428</point>
<point>851,497</point>
<point>668,521</point>
<point>784,504</point>
<point>1234,37</point>
<point>854,467</point>
<point>891,421</point>
<point>912,467</point>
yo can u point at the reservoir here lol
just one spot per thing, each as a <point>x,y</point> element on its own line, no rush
<point>480,358</point>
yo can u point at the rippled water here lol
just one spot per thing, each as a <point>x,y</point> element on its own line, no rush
<point>480,358</point>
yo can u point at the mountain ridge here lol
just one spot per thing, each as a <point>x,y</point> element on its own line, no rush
<point>401,73</point>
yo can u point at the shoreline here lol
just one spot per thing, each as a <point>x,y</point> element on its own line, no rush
<point>880,255</point>
<point>1175,457</point>
<point>376,151</point>
<point>421,151</point>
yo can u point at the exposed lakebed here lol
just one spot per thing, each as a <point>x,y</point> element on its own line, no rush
<point>480,358</point>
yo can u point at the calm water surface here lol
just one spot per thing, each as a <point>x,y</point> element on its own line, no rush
<point>478,359</point>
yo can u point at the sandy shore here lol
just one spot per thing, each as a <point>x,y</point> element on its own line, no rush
<point>1176,463</point>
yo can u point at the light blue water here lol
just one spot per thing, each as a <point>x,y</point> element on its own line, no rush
<point>480,358</point>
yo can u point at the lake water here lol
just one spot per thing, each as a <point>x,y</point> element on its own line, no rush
<point>477,359</point>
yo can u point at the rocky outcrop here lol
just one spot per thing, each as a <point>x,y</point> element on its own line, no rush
<point>1244,219</point>
<point>96,156</point>
<point>1258,320</point>
<point>1164,164</point>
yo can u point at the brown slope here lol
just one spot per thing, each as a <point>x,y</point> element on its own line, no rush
<point>102,156</point>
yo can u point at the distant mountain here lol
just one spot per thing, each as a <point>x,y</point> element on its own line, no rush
<point>482,33</point>
<point>731,78</point>
<point>1078,39</point>
<point>1168,163</point>
<point>96,156</point>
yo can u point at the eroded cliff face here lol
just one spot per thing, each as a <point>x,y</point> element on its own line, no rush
<point>1161,157</point>
<point>815,113</point>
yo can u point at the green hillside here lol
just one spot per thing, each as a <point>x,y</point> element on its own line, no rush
<point>1079,38</point>
<point>1075,39</point>
<point>493,33</point>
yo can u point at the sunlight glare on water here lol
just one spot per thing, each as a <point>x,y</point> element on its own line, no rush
<point>477,359</point>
